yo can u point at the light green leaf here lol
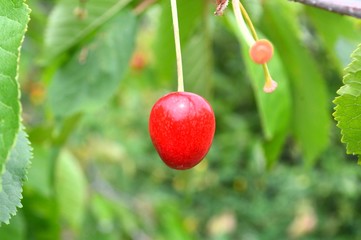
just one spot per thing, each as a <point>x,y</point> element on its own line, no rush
<point>274,108</point>
<point>198,63</point>
<point>14,16</point>
<point>65,29</point>
<point>348,106</point>
<point>311,120</point>
<point>93,74</point>
<point>13,177</point>
<point>70,187</point>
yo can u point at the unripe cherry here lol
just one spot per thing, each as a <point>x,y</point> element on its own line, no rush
<point>261,51</point>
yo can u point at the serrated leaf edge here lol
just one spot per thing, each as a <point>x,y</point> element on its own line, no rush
<point>18,88</point>
<point>347,72</point>
<point>26,169</point>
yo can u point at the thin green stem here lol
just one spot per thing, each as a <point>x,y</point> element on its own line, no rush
<point>267,74</point>
<point>248,21</point>
<point>177,45</point>
<point>241,24</point>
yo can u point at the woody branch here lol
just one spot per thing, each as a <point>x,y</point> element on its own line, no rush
<point>345,7</point>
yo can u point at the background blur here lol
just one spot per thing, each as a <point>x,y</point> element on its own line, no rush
<point>90,73</point>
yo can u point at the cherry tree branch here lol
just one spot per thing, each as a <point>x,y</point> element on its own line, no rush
<point>344,7</point>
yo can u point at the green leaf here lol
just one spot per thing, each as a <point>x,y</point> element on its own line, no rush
<point>175,227</point>
<point>65,29</point>
<point>341,39</point>
<point>70,186</point>
<point>15,230</point>
<point>274,108</point>
<point>44,214</point>
<point>352,76</point>
<point>13,177</point>
<point>348,106</point>
<point>93,74</point>
<point>311,119</point>
<point>14,16</point>
<point>198,63</point>
<point>190,13</point>
<point>40,171</point>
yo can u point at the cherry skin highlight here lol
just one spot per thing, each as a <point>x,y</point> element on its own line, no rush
<point>182,126</point>
<point>261,51</point>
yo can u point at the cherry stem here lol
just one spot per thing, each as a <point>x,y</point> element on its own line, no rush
<point>177,45</point>
<point>241,24</point>
<point>248,21</point>
<point>237,4</point>
<point>267,74</point>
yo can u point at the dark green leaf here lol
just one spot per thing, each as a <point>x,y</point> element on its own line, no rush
<point>15,230</point>
<point>310,101</point>
<point>198,64</point>
<point>93,74</point>
<point>65,28</point>
<point>190,13</point>
<point>274,108</point>
<point>340,39</point>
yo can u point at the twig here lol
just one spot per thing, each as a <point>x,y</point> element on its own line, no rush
<point>344,7</point>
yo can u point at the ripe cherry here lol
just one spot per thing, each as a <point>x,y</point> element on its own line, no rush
<point>182,126</point>
<point>261,51</point>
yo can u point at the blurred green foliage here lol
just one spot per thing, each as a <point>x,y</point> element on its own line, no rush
<point>276,169</point>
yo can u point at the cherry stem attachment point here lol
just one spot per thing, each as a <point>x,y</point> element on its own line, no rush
<point>177,45</point>
<point>267,74</point>
<point>241,23</point>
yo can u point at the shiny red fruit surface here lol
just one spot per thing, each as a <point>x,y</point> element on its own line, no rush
<point>182,126</point>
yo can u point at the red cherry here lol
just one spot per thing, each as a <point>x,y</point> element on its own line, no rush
<point>182,126</point>
<point>261,51</point>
